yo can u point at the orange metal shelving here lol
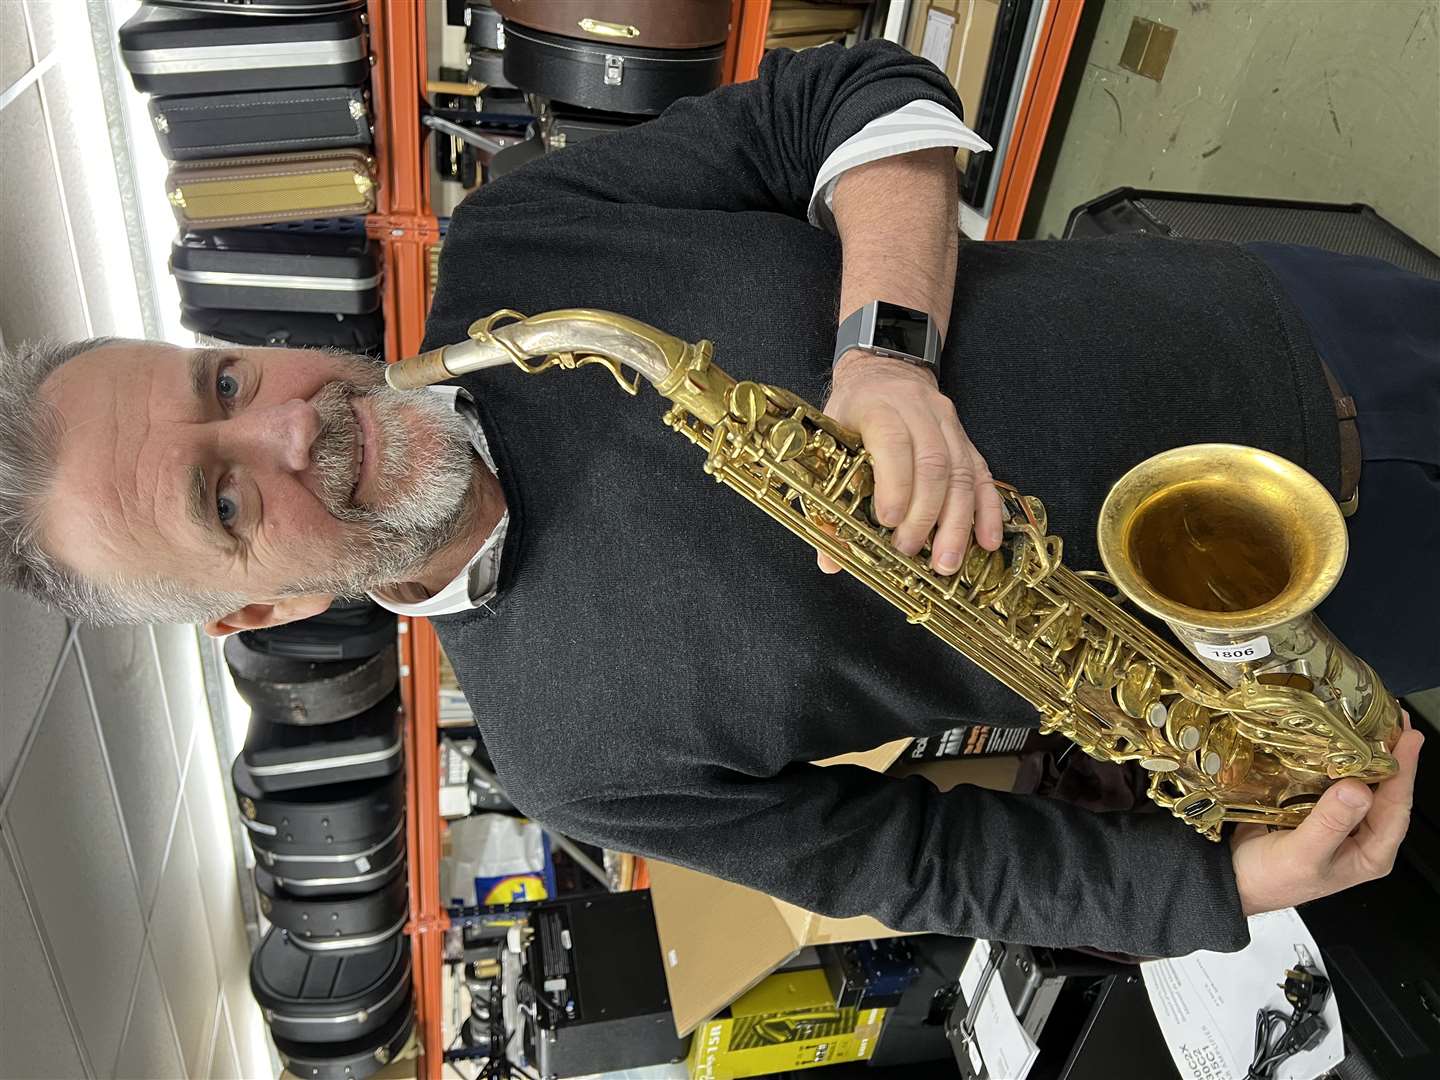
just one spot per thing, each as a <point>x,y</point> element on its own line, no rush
<point>404,227</point>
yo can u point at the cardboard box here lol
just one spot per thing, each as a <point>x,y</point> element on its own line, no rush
<point>719,939</point>
<point>968,53</point>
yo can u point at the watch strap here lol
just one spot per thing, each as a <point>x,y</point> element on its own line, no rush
<point>858,331</point>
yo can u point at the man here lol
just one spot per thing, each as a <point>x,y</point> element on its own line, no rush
<point>651,661</point>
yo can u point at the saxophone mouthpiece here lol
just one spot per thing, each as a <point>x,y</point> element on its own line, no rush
<point>417,371</point>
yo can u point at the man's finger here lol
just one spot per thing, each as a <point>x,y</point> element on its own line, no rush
<point>952,532</point>
<point>989,514</point>
<point>1339,812</point>
<point>888,440</point>
<point>929,487</point>
<point>1389,818</point>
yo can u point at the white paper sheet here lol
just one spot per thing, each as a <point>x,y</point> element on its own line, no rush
<point>1007,1052</point>
<point>939,29</point>
<point>1206,1002</point>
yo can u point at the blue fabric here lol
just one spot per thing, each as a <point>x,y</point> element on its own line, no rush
<point>1378,329</point>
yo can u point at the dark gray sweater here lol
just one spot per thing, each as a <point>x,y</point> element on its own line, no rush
<point>662,660</point>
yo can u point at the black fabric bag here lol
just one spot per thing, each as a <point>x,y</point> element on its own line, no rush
<point>274,271</point>
<point>170,50</point>
<point>329,997</point>
<point>216,125</point>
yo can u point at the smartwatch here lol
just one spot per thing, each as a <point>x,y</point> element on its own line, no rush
<point>891,330</point>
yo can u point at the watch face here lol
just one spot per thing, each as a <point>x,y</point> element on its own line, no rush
<point>900,329</point>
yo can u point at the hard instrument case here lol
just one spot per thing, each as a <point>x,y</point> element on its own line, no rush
<point>345,632</point>
<point>329,997</point>
<point>675,24</point>
<point>360,334</point>
<point>228,192</point>
<point>284,690</point>
<point>273,121</point>
<point>283,757</point>
<point>281,8</point>
<point>354,1060</point>
<point>309,820</point>
<point>595,75</point>
<point>275,271</point>
<point>334,923</point>
<point>171,50</point>
<point>347,869</point>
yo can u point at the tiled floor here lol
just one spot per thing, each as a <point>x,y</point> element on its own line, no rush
<point>125,947</point>
<point>124,950</point>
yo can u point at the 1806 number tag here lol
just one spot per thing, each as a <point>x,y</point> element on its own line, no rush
<point>1237,652</point>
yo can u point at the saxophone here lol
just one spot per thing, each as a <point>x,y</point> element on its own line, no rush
<point>1229,546</point>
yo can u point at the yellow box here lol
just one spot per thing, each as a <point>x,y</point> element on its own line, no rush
<point>761,1044</point>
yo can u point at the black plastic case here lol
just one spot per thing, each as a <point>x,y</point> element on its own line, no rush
<point>329,997</point>
<point>170,50</point>
<point>283,690</point>
<point>263,7</point>
<point>334,923</point>
<point>284,757</point>
<point>308,819</point>
<point>355,1060</point>
<point>272,271</point>
<point>620,78</point>
<point>342,633</point>
<point>268,122</point>
<point>363,335</point>
<point>348,869</point>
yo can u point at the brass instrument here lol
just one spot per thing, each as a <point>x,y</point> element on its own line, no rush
<point>1231,546</point>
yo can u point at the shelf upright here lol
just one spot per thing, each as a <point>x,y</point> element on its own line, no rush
<point>403,227</point>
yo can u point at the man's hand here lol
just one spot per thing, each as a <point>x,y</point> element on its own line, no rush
<point>928,475</point>
<point>1351,836</point>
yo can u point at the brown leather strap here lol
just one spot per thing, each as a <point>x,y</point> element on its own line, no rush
<point>1349,444</point>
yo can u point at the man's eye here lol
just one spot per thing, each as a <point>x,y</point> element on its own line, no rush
<point>227,386</point>
<point>226,509</point>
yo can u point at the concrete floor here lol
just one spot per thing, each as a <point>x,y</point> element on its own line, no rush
<point>1331,100</point>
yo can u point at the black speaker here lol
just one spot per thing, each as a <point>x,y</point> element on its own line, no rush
<point>1344,228</point>
<point>594,980</point>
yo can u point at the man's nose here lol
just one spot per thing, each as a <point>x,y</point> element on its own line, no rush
<point>277,435</point>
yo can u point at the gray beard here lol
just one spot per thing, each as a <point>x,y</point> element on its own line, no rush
<point>424,504</point>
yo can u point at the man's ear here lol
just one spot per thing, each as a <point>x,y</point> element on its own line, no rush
<point>259,616</point>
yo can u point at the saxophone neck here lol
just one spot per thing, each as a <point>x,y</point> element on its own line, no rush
<point>566,338</point>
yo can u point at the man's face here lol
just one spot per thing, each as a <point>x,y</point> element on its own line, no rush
<point>261,472</point>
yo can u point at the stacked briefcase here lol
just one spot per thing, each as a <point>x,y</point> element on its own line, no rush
<point>320,785</point>
<point>263,108</point>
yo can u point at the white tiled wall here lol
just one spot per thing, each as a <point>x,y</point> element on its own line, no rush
<point>123,950</point>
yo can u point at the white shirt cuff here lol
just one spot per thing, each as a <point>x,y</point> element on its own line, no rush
<point>920,125</point>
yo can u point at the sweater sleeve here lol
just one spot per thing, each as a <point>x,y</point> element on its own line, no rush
<point>844,841</point>
<point>757,145</point>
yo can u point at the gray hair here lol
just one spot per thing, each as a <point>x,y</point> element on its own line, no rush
<point>30,432</point>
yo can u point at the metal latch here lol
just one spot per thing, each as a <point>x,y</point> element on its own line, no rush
<point>161,124</point>
<point>357,108</point>
<point>177,198</point>
<point>600,28</point>
<point>614,69</point>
